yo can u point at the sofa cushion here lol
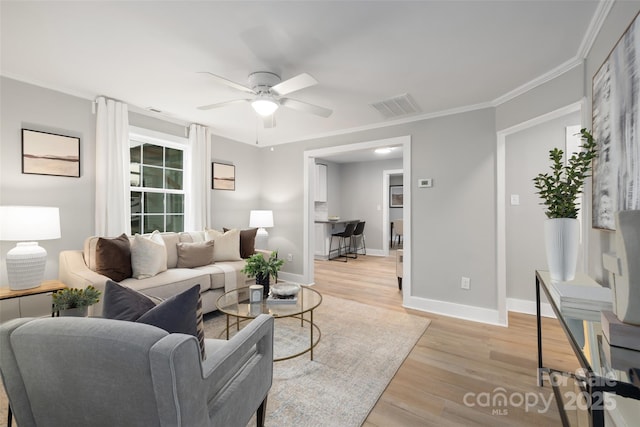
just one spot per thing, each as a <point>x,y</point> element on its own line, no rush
<point>182,313</point>
<point>227,245</point>
<point>170,282</point>
<point>247,241</point>
<point>192,236</point>
<point>148,255</point>
<point>195,254</point>
<point>218,275</point>
<point>113,257</point>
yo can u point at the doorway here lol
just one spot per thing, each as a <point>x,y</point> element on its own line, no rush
<point>404,142</point>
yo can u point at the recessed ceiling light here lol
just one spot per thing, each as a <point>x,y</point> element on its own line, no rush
<point>385,150</point>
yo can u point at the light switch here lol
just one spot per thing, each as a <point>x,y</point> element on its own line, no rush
<point>515,199</point>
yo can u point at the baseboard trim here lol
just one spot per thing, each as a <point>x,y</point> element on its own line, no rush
<point>529,307</point>
<point>459,311</point>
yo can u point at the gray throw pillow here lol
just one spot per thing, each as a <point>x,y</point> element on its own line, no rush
<point>195,254</point>
<point>182,313</point>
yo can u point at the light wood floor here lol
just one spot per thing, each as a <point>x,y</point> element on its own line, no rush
<point>454,357</point>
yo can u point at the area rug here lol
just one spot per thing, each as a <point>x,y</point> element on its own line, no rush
<point>360,350</point>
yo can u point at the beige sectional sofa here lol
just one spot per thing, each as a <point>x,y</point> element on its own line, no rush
<point>78,270</point>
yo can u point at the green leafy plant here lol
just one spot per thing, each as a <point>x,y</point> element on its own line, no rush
<point>257,266</point>
<point>68,298</point>
<point>559,189</point>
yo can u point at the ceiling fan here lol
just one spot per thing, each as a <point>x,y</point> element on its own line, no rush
<point>268,91</point>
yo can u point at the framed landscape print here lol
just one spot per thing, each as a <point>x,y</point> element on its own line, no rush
<point>224,177</point>
<point>396,196</point>
<point>616,123</point>
<point>50,154</point>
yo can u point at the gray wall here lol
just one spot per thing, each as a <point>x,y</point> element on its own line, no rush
<point>527,154</point>
<point>31,107</point>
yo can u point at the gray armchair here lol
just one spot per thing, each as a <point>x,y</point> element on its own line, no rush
<point>66,371</point>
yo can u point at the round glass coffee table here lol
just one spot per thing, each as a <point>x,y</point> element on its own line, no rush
<point>236,304</point>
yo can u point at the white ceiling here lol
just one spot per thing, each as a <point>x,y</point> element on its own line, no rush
<point>448,55</point>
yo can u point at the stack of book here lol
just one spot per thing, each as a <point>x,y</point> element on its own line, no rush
<point>580,300</point>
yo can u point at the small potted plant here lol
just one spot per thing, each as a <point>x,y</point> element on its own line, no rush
<point>559,191</point>
<point>74,301</point>
<point>262,269</point>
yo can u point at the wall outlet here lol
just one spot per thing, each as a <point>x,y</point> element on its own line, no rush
<point>465,283</point>
<point>289,257</point>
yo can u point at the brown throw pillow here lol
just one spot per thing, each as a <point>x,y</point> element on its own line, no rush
<point>247,241</point>
<point>195,254</point>
<point>113,257</point>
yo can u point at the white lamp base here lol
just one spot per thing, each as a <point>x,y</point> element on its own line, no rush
<point>25,265</point>
<point>262,239</point>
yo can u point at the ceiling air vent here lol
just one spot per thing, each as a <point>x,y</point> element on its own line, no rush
<point>398,106</point>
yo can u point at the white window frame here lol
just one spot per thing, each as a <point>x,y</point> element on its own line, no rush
<point>146,136</point>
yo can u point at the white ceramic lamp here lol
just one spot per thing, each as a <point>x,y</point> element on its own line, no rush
<point>261,219</point>
<point>26,224</point>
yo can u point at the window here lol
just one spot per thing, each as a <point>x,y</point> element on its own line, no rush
<point>157,182</point>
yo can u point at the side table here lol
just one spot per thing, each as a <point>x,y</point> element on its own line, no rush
<point>45,287</point>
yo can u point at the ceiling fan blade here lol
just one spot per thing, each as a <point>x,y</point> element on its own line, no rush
<point>269,122</point>
<point>305,107</point>
<point>222,104</point>
<point>229,83</point>
<point>293,84</point>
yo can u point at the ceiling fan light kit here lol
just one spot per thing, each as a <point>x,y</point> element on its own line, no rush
<point>264,105</point>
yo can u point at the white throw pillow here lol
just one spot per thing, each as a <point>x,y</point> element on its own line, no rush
<point>227,245</point>
<point>148,255</point>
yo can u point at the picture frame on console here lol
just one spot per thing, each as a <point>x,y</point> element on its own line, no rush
<point>223,176</point>
<point>616,92</point>
<point>45,153</point>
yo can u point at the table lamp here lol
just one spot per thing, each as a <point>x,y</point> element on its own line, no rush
<point>262,220</point>
<point>25,224</point>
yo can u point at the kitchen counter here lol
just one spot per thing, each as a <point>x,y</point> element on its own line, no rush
<point>340,221</point>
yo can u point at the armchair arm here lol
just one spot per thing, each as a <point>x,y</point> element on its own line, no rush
<point>75,274</point>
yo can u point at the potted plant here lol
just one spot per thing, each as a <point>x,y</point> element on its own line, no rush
<point>74,301</point>
<point>262,269</point>
<point>559,191</point>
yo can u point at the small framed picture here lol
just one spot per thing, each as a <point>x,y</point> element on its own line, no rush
<point>50,154</point>
<point>223,177</point>
<point>395,196</point>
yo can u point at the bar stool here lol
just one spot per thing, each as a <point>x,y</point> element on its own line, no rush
<point>358,233</point>
<point>343,238</point>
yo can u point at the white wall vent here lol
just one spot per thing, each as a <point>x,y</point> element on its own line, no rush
<point>397,106</point>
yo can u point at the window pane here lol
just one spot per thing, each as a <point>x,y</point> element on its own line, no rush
<point>151,177</point>
<point>136,202</point>
<point>175,203</point>
<point>173,158</point>
<point>174,179</point>
<point>134,176</point>
<point>152,155</point>
<point>153,203</point>
<point>153,222</point>
<point>134,154</point>
<point>135,224</point>
<point>175,223</point>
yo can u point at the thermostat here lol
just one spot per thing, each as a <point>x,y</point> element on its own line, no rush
<point>425,183</point>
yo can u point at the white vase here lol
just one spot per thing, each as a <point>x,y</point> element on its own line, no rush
<point>562,237</point>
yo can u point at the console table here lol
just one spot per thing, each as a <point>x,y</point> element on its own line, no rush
<point>602,369</point>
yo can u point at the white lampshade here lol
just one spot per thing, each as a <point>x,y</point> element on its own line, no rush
<point>262,220</point>
<point>265,106</point>
<point>26,262</point>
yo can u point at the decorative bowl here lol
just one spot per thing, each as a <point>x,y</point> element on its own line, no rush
<point>285,289</point>
<point>334,218</point>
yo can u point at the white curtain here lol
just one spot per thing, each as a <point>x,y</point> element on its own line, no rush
<point>198,179</point>
<point>113,206</point>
